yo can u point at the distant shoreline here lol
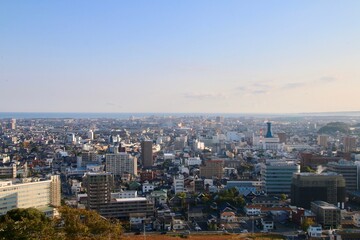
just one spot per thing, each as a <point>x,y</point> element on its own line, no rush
<point>79,115</point>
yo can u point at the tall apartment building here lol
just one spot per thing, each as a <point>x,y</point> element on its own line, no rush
<point>8,171</point>
<point>328,215</point>
<point>178,184</point>
<point>349,144</point>
<point>120,163</point>
<point>277,176</point>
<point>100,198</point>
<point>322,140</point>
<point>212,168</point>
<point>88,157</point>
<point>29,193</point>
<point>309,187</point>
<point>349,170</point>
<point>282,137</point>
<point>147,153</point>
<point>13,124</point>
<point>98,187</point>
<point>90,135</point>
<point>180,143</point>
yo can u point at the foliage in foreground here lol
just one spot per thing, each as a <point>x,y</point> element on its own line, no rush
<point>30,223</point>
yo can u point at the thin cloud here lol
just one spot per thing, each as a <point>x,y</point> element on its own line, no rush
<point>257,92</point>
<point>256,88</point>
<point>241,88</point>
<point>326,79</point>
<point>113,104</point>
<point>202,96</point>
<point>295,85</point>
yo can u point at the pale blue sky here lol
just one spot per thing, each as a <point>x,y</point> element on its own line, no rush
<point>179,56</point>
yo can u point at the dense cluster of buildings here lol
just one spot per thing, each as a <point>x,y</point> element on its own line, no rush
<point>167,172</point>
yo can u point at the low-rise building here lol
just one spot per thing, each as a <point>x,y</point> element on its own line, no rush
<point>314,231</point>
<point>328,215</point>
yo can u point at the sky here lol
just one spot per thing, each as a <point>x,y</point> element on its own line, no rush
<point>187,56</point>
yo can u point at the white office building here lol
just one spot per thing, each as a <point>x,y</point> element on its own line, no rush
<point>29,193</point>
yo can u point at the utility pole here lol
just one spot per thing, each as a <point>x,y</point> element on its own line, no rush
<point>252,224</point>
<point>144,230</point>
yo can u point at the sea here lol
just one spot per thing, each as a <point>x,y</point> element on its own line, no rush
<point>84,115</point>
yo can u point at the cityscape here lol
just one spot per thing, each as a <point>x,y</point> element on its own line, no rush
<point>164,120</point>
<point>294,176</point>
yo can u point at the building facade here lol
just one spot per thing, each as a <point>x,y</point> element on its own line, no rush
<point>29,193</point>
<point>212,168</point>
<point>147,153</point>
<point>349,143</point>
<point>309,187</point>
<point>119,163</point>
<point>328,215</point>
<point>277,176</point>
<point>349,170</point>
<point>98,187</point>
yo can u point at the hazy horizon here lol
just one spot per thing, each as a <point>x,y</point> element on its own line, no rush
<point>253,57</point>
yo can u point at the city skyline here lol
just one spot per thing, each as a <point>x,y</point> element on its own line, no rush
<point>179,56</point>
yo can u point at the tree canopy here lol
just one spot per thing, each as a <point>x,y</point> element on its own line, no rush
<point>30,223</point>
<point>27,223</point>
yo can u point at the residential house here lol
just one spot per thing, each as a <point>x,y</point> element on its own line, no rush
<point>252,210</point>
<point>178,224</point>
<point>228,217</point>
<point>314,231</point>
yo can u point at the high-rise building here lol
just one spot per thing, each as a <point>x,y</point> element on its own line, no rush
<point>349,144</point>
<point>13,124</point>
<point>278,174</point>
<point>8,171</point>
<point>120,163</point>
<point>282,137</point>
<point>55,190</point>
<point>322,140</point>
<point>29,193</point>
<point>349,170</point>
<point>212,168</point>
<point>98,187</point>
<point>90,135</point>
<point>147,153</point>
<point>88,157</point>
<point>309,187</point>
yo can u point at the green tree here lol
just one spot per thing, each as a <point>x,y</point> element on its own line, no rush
<point>29,223</point>
<point>307,169</point>
<point>182,196</point>
<point>306,223</point>
<point>85,224</point>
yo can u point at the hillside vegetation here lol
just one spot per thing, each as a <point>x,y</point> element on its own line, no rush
<point>333,127</point>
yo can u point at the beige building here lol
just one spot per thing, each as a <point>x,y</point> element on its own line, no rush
<point>120,163</point>
<point>98,187</point>
<point>212,168</point>
<point>29,193</point>
<point>322,140</point>
<point>328,215</point>
<point>349,144</point>
<point>8,171</point>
